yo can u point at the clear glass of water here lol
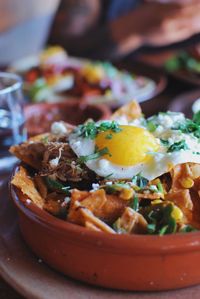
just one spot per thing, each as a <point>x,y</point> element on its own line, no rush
<point>12,130</point>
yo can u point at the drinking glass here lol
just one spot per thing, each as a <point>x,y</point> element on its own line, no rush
<point>12,130</point>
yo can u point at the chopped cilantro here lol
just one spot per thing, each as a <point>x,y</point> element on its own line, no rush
<point>96,155</point>
<point>164,142</point>
<point>196,153</point>
<point>188,126</point>
<point>177,146</point>
<point>91,129</point>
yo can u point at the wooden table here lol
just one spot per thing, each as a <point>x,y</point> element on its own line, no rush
<point>159,103</point>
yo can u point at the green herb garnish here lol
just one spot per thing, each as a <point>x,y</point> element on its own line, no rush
<point>196,118</point>
<point>140,181</point>
<point>91,129</point>
<point>96,155</point>
<point>177,146</point>
<point>135,203</point>
<point>188,126</point>
<point>55,185</point>
<point>151,126</point>
<point>160,220</point>
<point>164,142</point>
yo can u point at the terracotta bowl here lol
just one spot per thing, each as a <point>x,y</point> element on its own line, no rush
<point>127,262</point>
<point>40,116</point>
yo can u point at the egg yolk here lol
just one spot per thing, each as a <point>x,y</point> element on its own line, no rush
<point>128,147</point>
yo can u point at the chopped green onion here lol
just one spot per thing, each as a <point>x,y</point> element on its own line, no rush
<point>151,126</point>
<point>135,203</point>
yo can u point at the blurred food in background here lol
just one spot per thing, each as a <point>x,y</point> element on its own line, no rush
<point>185,60</point>
<point>52,76</point>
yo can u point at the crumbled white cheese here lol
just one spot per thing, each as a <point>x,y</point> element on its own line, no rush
<point>95,186</point>
<point>58,128</point>
<point>109,183</point>
<point>28,201</point>
<point>196,106</point>
<point>54,162</point>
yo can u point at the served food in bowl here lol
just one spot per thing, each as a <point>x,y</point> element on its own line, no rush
<point>126,175</point>
<point>53,76</point>
<point>40,116</point>
<point>185,64</point>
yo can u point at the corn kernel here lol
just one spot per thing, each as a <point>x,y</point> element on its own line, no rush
<point>186,182</point>
<point>126,194</point>
<point>177,214</point>
<point>156,201</point>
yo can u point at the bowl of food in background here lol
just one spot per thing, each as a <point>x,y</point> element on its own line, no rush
<point>39,117</point>
<point>185,65</point>
<point>53,76</point>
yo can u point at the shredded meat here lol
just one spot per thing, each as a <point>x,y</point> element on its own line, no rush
<point>54,157</point>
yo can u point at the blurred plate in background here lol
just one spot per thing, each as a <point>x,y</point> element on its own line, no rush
<point>115,85</point>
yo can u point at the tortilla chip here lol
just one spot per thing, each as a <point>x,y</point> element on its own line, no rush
<point>40,137</point>
<point>29,153</point>
<point>130,111</point>
<point>26,185</point>
<point>88,216</point>
<point>106,207</point>
<point>91,226</point>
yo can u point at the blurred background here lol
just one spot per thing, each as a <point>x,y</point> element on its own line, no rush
<point>101,52</point>
<point>146,37</point>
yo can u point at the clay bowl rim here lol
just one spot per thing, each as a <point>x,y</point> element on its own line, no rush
<point>118,244</point>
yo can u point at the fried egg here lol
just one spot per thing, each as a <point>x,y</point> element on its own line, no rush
<point>150,147</point>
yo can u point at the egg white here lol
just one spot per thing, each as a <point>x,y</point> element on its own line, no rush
<point>160,162</point>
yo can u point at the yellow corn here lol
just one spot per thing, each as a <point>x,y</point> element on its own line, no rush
<point>126,194</point>
<point>186,182</point>
<point>156,201</point>
<point>177,214</point>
